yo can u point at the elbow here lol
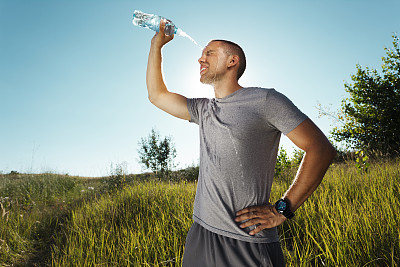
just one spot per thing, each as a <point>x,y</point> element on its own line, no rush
<point>155,97</point>
<point>333,154</point>
<point>324,151</point>
<point>152,99</point>
<point>330,152</point>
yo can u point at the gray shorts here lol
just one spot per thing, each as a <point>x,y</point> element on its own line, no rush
<point>207,249</point>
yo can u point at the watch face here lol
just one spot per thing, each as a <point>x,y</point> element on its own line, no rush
<point>281,206</point>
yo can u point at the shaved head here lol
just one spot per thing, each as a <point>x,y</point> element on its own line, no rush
<point>234,49</point>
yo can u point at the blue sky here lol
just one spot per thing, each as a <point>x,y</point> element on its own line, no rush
<point>73,96</point>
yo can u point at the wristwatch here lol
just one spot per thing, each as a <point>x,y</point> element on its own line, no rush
<point>282,206</point>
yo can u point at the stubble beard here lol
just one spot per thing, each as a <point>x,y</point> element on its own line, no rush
<point>210,78</point>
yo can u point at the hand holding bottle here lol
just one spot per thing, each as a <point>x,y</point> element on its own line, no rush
<point>160,38</point>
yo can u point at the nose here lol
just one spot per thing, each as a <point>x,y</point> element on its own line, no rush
<point>201,59</point>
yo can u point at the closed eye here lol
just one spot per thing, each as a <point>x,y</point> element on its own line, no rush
<point>210,52</point>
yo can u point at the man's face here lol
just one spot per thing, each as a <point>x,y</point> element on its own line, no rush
<point>212,63</point>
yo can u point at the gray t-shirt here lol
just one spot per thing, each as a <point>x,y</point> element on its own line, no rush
<point>239,140</point>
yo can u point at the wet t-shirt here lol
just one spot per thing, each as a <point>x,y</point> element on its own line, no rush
<point>239,140</point>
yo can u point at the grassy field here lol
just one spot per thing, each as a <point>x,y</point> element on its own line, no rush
<point>54,220</point>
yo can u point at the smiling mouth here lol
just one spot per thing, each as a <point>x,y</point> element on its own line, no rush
<point>203,69</point>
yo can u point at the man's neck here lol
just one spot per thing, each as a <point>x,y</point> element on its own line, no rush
<point>222,90</point>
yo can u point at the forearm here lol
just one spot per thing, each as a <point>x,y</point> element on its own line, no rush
<point>154,78</point>
<point>310,174</point>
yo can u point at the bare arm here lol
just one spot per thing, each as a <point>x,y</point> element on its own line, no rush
<point>319,154</point>
<point>159,95</point>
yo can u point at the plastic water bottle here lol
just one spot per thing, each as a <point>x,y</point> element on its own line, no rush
<point>152,22</point>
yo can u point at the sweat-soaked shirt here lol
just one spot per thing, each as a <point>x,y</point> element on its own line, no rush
<point>239,140</point>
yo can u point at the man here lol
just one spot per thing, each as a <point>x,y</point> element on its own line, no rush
<point>234,224</point>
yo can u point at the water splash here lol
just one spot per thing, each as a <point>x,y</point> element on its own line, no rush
<point>184,34</point>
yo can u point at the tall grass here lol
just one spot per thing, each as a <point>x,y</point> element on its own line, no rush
<point>351,220</point>
<point>32,211</point>
<point>142,225</point>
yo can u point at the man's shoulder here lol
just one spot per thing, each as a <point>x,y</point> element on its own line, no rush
<point>270,93</point>
<point>198,103</point>
<point>259,90</point>
<point>256,93</point>
<point>198,100</point>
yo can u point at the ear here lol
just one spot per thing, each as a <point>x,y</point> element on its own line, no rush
<point>233,61</point>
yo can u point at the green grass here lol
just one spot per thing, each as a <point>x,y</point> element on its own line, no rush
<point>351,220</point>
<point>142,225</point>
<point>53,220</point>
<point>32,211</point>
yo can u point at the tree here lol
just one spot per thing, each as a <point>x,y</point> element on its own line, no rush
<point>156,154</point>
<point>371,115</point>
<point>282,162</point>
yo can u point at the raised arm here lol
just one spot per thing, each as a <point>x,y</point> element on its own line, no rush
<point>159,95</point>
